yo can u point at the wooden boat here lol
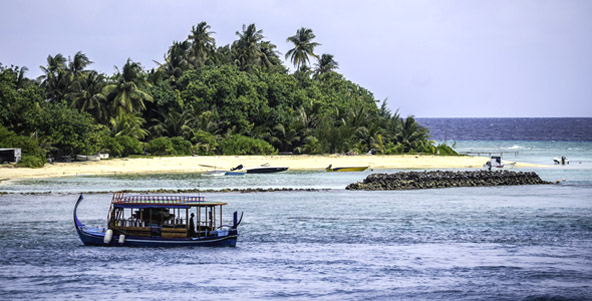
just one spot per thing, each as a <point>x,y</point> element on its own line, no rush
<point>160,221</point>
<point>265,168</point>
<point>235,173</point>
<point>88,158</point>
<point>214,173</point>
<point>343,169</point>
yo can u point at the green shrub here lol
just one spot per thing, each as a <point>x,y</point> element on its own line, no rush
<point>31,161</point>
<point>161,146</point>
<point>205,143</point>
<point>241,145</point>
<point>113,147</point>
<point>130,145</point>
<point>445,150</point>
<point>28,145</point>
<point>181,146</point>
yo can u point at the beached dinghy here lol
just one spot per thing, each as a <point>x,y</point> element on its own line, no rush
<point>265,168</point>
<point>330,168</point>
<point>160,221</point>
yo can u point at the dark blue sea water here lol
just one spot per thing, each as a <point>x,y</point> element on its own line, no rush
<point>523,129</point>
<point>492,243</point>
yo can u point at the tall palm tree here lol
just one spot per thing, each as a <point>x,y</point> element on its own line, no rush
<point>54,63</point>
<point>21,80</point>
<point>77,65</point>
<point>126,92</point>
<point>202,43</point>
<point>55,80</point>
<point>303,47</point>
<point>176,60</point>
<point>326,64</point>
<point>412,134</point>
<point>269,56</point>
<point>246,48</point>
<point>89,98</point>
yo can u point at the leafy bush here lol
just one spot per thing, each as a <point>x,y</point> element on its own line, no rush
<point>130,145</point>
<point>31,161</point>
<point>113,147</point>
<point>445,150</point>
<point>181,146</point>
<point>241,145</point>
<point>28,145</point>
<point>205,143</point>
<point>161,146</point>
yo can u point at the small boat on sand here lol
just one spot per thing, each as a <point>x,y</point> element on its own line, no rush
<point>215,173</point>
<point>160,221</point>
<point>235,173</point>
<point>88,158</point>
<point>330,168</point>
<point>265,168</point>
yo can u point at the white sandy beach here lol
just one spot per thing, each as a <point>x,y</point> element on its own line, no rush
<point>196,164</point>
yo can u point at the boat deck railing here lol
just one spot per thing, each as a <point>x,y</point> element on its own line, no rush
<point>118,198</point>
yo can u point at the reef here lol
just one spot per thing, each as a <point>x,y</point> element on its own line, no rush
<point>445,179</point>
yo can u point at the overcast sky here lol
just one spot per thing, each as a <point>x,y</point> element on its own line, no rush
<point>446,58</point>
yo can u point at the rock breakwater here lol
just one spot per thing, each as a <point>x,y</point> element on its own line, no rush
<point>444,179</point>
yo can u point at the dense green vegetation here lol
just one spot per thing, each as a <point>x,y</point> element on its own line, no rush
<point>203,99</point>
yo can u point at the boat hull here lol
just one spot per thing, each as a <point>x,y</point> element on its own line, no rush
<point>266,169</point>
<point>346,169</point>
<point>94,237</point>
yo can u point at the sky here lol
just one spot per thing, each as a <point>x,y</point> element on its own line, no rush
<point>434,58</point>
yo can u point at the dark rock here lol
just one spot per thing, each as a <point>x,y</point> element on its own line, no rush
<point>442,179</point>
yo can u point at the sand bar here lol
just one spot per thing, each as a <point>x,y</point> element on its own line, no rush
<point>195,164</point>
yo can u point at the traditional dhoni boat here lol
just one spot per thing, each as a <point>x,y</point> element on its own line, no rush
<point>161,221</point>
<point>330,168</point>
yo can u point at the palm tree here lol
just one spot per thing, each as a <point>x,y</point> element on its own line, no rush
<point>412,134</point>
<point>172,124</point>
<point>88,96</point>
<point>202,43</point>
<point>303,47</point>
<point>54,64</point>
<point>246,48</point>
<point>176,60</point>
<point>55,80</point>
<point>326,64</point>
<point>77,65</point>
<point>125,93</point>
<point>268,55</point>
<point>128,124</point>
<point>21,80</point>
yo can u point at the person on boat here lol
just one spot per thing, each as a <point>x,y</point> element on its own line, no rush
<point>191,226</point>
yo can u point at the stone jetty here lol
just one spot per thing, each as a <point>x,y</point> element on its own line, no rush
<point>444,179</point>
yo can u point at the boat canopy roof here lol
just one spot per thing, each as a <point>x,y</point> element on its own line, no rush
<point>158,201</point>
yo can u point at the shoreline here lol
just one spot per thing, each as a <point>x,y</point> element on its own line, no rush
<point>194,164</point>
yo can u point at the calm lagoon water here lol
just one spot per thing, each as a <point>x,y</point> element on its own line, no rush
<point>500,243</point>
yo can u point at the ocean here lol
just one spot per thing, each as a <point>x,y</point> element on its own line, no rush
<point>492,243</point>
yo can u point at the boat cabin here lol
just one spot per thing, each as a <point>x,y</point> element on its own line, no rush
<point>165,216</point>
